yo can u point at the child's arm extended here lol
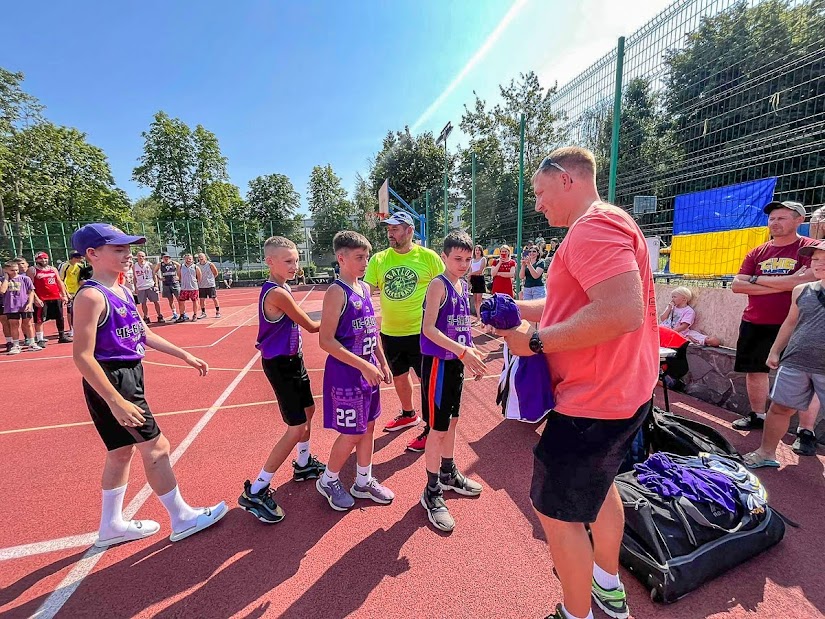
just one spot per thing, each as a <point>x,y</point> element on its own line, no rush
<point>279,301</point>
<point>334,300</point>
<point>153,340</point>
<point>469,356</point>
<point>785,331</point>
<point>89,305</point>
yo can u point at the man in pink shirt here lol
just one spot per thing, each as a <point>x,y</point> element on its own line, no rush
<point>599,332</point>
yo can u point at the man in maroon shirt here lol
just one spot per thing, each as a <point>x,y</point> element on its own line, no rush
<point>768,275</point>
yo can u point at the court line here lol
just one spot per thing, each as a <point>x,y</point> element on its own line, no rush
<point>52,605</point>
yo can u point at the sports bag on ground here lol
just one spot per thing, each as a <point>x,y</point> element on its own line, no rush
<point>674,545</point>
<point>685,437</point>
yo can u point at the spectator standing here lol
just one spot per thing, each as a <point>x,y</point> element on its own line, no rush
<point>168,270</point>
<point>532,272</point>
<point>17,293</point>
<point>207,287</point>
<point>503,272</point>
<point>478,285</point>
<point>768,275</point>
<point>147,284</point>
<point>188,275</point>
<point>70,274</point>
<point>50,295</point>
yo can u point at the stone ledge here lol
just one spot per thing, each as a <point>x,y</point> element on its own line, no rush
<point>712,379</point>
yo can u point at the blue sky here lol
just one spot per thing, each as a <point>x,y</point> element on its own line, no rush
<point>288,85</point>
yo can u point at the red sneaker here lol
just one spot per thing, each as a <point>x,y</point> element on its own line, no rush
<point>419,443</point>
<point>401,422</point>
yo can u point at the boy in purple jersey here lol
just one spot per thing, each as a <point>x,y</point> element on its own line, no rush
<point>109,343</point>
<point>280,320</point>
<point>446,349</point>
<point>354,370</point>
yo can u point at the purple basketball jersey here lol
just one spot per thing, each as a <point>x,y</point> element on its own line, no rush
<point>350,403</point>
<point>453,321</point>
<point>525,391</point>
<point>121,335</point>
<point>280,337</point>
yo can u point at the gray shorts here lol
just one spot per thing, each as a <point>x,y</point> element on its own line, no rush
<point>795,388</point>
<point>147,294</point>
<point>533,292</point>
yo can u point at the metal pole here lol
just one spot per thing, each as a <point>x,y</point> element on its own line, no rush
<point>446,226</point>
<point>617,112</point>
<point>520,225</point>
<point>473,203</point>
<point>427,215</point>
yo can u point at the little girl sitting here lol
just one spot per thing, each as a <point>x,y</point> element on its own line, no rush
<point>680,317</point>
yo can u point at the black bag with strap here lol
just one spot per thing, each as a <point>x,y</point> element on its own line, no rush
<point>685,437</point>
<point>674,545</point>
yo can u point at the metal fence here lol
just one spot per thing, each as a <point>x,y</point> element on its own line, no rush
<point>231,245</point>
<point>713,93</point>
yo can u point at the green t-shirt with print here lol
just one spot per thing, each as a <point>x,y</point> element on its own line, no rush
<point>403,280</point>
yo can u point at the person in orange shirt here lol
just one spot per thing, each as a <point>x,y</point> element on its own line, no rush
<point>599,332</point>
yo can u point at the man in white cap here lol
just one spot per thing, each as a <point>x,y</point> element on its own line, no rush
<point>402,273</point>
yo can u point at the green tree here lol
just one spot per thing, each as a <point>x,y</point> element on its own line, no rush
<point>274,203</point>
<point>328,203</point>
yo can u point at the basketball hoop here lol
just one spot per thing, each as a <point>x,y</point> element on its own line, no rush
<point>373,219</point>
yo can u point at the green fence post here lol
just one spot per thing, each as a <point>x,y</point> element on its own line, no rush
<point>617,111</point>
<point>520,224</point>
<point>31,242</point>
<point>48,240</point>
<point>427,216</point>
<point>473,202</point>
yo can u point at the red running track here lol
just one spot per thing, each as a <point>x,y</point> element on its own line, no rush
<point>374,561</point>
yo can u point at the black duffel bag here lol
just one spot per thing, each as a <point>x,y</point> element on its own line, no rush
<point>685,437</point>
<point>675,545</point>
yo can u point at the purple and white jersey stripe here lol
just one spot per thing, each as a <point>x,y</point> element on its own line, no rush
<point>357,328</point>
<point>121,335</point>
<point>276,338</point>
<point>453,321</point>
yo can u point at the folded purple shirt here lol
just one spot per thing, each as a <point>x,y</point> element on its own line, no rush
<point>500,312</point>
<point>671,479</point>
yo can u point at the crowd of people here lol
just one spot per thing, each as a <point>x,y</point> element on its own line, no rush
<point>32,295</point>
<point>599,313</point>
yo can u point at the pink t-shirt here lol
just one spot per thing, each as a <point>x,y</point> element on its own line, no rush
<point>678,315</point>
<point>613,379</point>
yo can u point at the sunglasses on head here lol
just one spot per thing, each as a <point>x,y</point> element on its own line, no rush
<point>549,163</point>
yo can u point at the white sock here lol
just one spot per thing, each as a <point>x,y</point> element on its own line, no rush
<point>112,523</point>
<point>263,479</point>
<point>70,332</point>
<point>30,341</point>
<point>604,579</point>
<point>303,453</point>
<point>363,474</point>
<point>9,340</point>
<point>328,477</point>
<point>761,415</point>
<point>571,616</point>
<point>41,337</point>
<point>181,514</point>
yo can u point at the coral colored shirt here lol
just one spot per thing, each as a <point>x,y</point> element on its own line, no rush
<point>613,379</point>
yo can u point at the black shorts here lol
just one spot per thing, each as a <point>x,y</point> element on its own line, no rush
<point>478,285</point>
<point>403,353</point>
<point>207,293</point>
<point>127,378</point>
<point>754,346</point>
<point>576,460</point>
<point>441,383</point>
<point>19,315</point>
<point>290,382</point>
<point>51,310</point>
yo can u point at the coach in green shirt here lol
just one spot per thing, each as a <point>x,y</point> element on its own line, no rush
<point>402,273</point>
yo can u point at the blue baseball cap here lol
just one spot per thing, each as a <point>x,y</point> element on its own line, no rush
<point>97,235</point>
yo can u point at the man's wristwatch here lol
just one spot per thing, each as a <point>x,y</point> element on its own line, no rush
<point>753,279</point>
<point>535,343</point>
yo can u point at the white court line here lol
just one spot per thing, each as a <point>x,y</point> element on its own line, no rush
<point>86,564</point>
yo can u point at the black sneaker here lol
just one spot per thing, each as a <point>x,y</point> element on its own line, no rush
<point>160,320</point>
<point>146,320</point>
<point>261,504</point>
<point>437,512</point>
<point>64,339</point>
<point>559,614</point>
<point>751,422</point>
<point>41,343</point>
<point>805,443</point>
<point>313,470</point>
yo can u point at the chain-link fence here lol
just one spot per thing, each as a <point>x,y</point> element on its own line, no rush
<point>233,246</point>
<point>716,95</point>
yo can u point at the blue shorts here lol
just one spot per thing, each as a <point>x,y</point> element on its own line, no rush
<point>533,292</point>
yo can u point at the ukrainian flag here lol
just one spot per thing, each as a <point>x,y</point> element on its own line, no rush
<point>713,230</point>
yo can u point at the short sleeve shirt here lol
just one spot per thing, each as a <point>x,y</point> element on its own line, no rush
<point>70,274</point>
<point>768,259</point>
<point>16,297</point>
<point>613,379</point>
<point>529,280</point>
<point>403,280</point>
<point>679,315</point>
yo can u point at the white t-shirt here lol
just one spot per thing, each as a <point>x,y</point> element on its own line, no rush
<point>476,265</point>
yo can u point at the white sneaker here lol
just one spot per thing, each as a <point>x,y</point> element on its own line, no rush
<point>202,316</point>
<point>15,350</point>
<point>35,346</point>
